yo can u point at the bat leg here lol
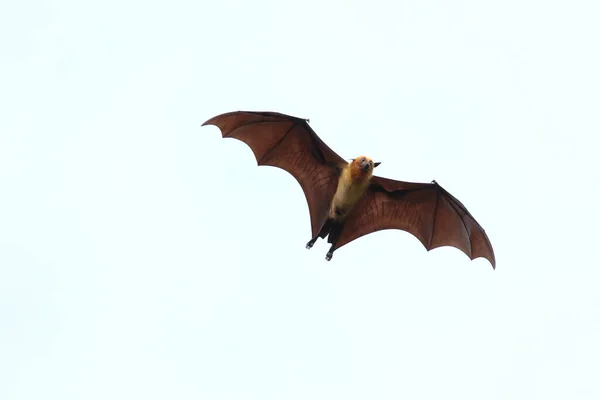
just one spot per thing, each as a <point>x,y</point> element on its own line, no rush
<point>330,253</point>
<point>334,235</point>
<point>322,233</point>
<point>311,242</point>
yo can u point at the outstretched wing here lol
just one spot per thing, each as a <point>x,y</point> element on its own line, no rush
<point>425,210</point>
<point>288,143</point>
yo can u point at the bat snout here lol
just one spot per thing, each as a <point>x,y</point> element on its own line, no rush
<point>365,167</point>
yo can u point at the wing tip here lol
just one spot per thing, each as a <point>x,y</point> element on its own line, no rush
<point>212,120</point>
<point>487,254</point>
<point>263,113</point>
<point>491,260</point>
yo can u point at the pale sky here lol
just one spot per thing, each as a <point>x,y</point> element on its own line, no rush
<point>143,256</point>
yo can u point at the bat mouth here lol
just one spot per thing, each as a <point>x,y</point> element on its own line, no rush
<point>365,168</point>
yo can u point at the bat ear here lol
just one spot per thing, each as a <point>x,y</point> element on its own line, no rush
<point>376,164</point>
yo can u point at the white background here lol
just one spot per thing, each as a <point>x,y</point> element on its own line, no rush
<point>142,256</point>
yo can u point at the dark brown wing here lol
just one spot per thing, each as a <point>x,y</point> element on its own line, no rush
<point>425,210</point>
<point>288,143</point>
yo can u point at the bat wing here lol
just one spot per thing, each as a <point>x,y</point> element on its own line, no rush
<point>425,210</point>
<point>288,143</point>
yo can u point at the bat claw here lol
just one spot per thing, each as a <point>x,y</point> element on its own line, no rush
<point>328,256</point>
<point>309,245</point>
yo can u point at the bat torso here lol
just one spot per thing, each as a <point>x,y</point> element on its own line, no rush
<point>352,185</point>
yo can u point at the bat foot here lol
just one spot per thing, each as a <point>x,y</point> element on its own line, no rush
<point>309,245</point>
<point>329,255</point>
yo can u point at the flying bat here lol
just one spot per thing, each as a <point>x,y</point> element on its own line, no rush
<point>345,200</point>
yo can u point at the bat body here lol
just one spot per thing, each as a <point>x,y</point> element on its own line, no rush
<point>345,200</point>
<point>352,184</point>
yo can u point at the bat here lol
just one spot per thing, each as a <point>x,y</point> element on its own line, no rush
<point>345,200</point>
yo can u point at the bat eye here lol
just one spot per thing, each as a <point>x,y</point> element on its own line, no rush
<point>362,159</point>
<point>371,162</point>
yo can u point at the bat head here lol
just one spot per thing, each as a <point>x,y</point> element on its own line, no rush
<point>364,164</point>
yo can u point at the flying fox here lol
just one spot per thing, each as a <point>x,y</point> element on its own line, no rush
<point>345,200</point>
